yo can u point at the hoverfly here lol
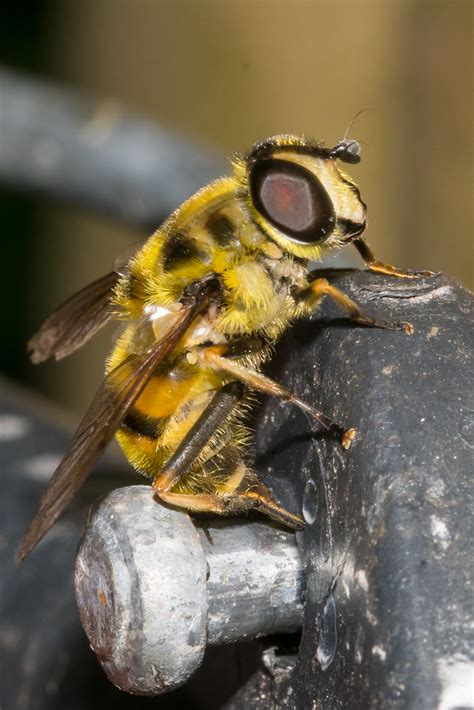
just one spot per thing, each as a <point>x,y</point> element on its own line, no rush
<point>203,302</point>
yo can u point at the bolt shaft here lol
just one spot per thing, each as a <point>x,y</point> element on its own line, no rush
<point>254,585</point>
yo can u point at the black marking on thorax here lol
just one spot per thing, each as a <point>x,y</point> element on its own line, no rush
<point>221,228</point>
<point>178,249</point>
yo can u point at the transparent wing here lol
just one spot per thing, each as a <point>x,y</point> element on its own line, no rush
<point>115,397</point>
<point>76,321</point>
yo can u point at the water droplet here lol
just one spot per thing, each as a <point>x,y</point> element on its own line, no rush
<point>327,635</point>
<point>310,502</point>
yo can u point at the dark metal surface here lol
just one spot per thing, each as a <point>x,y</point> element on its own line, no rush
<point>389,614</point>
<point>95,154</point>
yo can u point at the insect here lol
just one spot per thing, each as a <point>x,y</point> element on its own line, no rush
<point>203,301</point>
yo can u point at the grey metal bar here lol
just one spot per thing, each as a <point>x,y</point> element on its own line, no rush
<point>95,153</point>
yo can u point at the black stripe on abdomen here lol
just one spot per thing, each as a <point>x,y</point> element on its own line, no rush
<point>139,424</point>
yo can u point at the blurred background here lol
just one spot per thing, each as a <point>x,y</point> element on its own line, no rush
<point>225,73</point>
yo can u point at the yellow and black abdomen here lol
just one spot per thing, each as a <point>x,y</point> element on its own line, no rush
<point>171,402</point>
<point>145,433</point>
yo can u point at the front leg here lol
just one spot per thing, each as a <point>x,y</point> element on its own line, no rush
<point>379,267</point>
<point>320,287</point>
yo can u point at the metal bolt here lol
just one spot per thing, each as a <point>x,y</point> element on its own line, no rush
<point>153,588</point>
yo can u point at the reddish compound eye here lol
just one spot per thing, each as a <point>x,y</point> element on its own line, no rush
<point>292,199</point>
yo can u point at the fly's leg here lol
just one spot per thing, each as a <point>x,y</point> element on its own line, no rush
<point>321,287</point>
<point>198,437</point>
<point>240,490</point>
<point>240,493</point>
<point>214,356</point>
<point>233,504</point>
<point>264,504</point>
<point>243,491</point>
<point>380,268</point>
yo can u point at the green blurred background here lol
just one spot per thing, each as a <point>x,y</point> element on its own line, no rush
<point>229,72</point>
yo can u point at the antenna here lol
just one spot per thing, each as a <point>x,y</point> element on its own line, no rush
<point>348,149</point>
<point>353,119</point>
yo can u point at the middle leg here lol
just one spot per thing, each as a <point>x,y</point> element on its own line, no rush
<point>215,356</point>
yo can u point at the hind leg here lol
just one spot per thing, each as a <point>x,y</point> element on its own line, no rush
<point>222,484</point>
<point>236,492</point>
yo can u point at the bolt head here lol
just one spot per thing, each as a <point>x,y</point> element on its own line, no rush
<point>141,591</point>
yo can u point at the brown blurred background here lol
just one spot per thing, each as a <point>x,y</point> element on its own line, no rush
<point>229,72</point>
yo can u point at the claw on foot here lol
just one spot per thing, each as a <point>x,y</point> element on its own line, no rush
<point>348,437</point>
<point>415,274</point>
<point>428,274</point>
<point>388,325</point>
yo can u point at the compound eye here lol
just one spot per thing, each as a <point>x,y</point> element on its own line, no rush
<point>292,199</point>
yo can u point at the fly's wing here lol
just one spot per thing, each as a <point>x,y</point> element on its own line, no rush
<point>115,397</point>
<point>76,321</point>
